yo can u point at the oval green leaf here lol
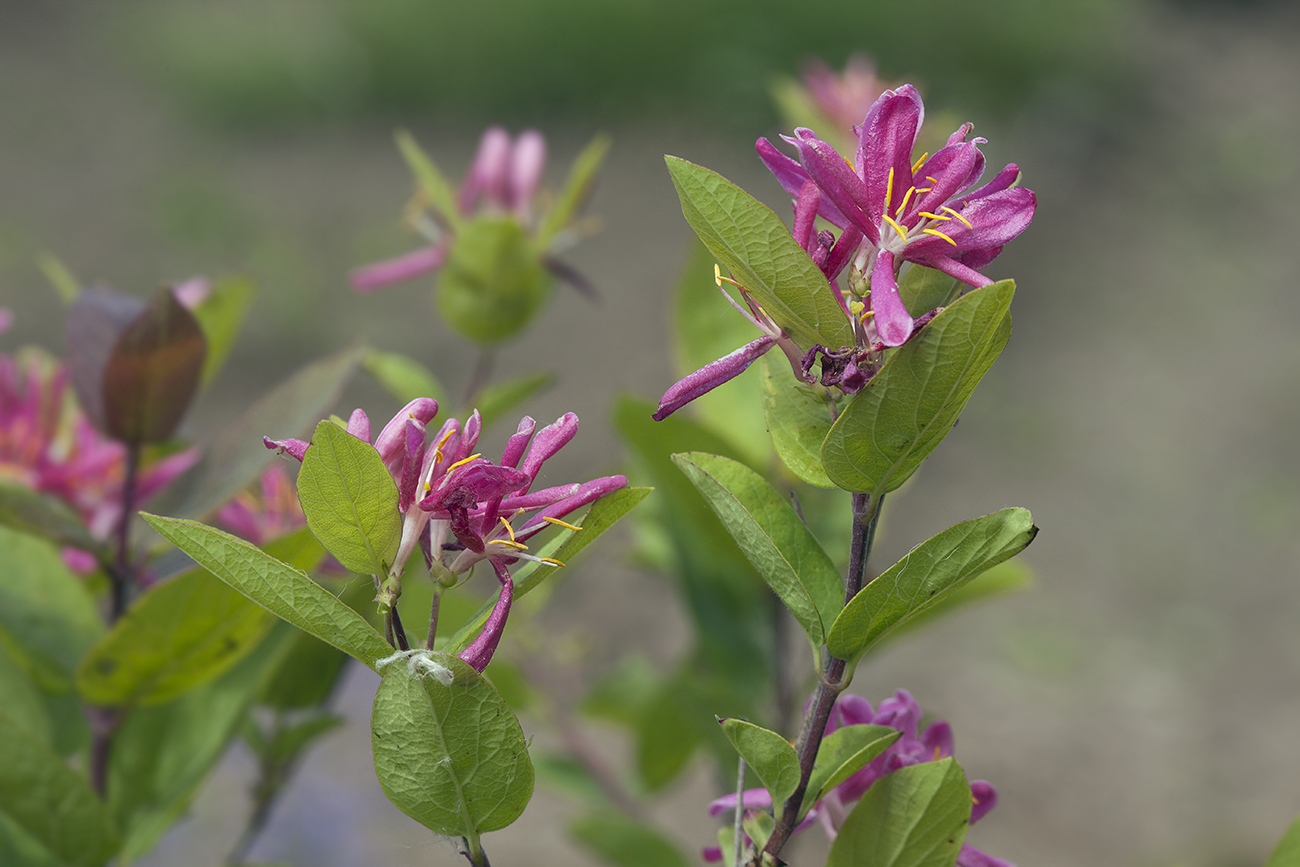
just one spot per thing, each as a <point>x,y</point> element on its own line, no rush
<point>923,289</point>
<point>449,755</point>
<point>915,817</point>
<point>773,539</point>
<point>798,420</point>
<point>926,577</point>
<point>768,754</point>
<point>350,500</point>
<point>279,588</point>
<point>51,802</point>
<point>842,754</point>
<point>890,426</point>
<point>749,239</point>
<point>430,178</point>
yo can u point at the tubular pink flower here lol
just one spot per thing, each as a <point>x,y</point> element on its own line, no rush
<point>408,266</point>
<point>481,649</point>
<point>527,163</point>
<point>712,375</point>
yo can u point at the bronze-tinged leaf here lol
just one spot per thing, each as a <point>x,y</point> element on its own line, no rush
<point>153,372</point>
<point>95,322</point>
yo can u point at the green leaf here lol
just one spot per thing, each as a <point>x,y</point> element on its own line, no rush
<point>929,573</point>
<point>707,328</point>
<point>152,372</point>
<point>162,753</point>
<point>403,376</point>
<point>768,754</point>
<point>497,400</point>
<point>236,456</point>
<point>577,189</point>
<point>277,587</point>
<point>21,701</point>
<point>1287,852</point>
<point>431,180</point>
<point>602,515</point>
<point>623,842</point>
<point>450,755</point>
<point>890,426</point>
<point>842,754</point>
<point>51,802</point>
<point>915,817</point>
<point>47,619</point>
<point>759,827</point>
<point>749,239</point>
<point>45,516</point>
<point>493,283</point>
<point>60,277</point>
<point>350,500</point>
<point>290,742</point>
<point>798,420</point>
<point>181,633</point>
<point>923,289</point>
<point>221,316</point>
<point>772,537</point>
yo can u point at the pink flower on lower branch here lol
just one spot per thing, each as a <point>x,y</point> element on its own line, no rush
<point>900,712</point>
<point>459,508</point>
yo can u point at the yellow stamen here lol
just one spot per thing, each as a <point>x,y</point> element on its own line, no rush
<point>719,279</point>
<point>934,181</point>
<point>902,233</point>
<point>464,461</point>
<point>865,316</point>
<point>560,523</point>
<point>930,216</point>
<point>437,448</point>
<point>508,543</point>
<point>924,189</point>
<point>936,758</point>
<point>907,197</point>
<point>509,529</point>
<point>889,190</point>
<point>939,234</point>
<point>917,165</point>
<point>958,215</point>
<point>551,561</point>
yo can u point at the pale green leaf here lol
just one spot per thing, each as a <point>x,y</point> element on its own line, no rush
<point>842,754</point>
<point>1287,851</point>
<point>47,619</point>
<point>889,427</point>
<point>403,376</point>
<point>923,289</point>
<point>798,419</point>
<point>277,587</point>
<point>51,802</point>
<point>773,539</point>
<point>221,316</point>
<point>915,817</point>
<point>350,500</point>
<point>577,188</point>
<point>924,578</point>
<point>450,755</point>
<point>60,277</point>
<point>750,240</point>
<point>768,755</point>
<point>430,179</point>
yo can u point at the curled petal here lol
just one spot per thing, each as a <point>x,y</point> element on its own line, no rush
<point>480,651</point>
<point>972,857</point>
<point>1002,181</point>
<point>588,492</point>
<point>805,214</point>
<point>469,435</point>
<point>852,710</point>
<point>483,481</point>
<point>901,712</point>
<point>292,448</point>
<point>359,425</point>
<point>985,797</point>
<point>539,499</point>
<point>408,266</point>
<point>837,180</point>
<point>937,739</point>
<point>412,461</point>
<point>791,176</point>
<point>548,441</point>
<point>391,442</point>
<point>893,322</point>
<point>887,140</point>
<point>518,442</point>
<point>526,166</point>
<point>711,375</point>
<point>751,798</point>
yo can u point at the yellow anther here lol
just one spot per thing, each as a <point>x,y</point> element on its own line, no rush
<point>907,197</point>
<point>889,189</point>
<point>856,307</point>
<point>924,189</point>
<point>934,181</point>
<point>939,234</point>
<point>865,316</point>
<point>551,561</point>
<point>508,543</point>
<point>930,216</point>
<point>464,461</point>
<point>437,448</point>
<point>917,165</point>
<point>719,279</point>
<point>509,529</point>
<point>560,523</point>
<point>958,215</point>
<point>937,754</point>
<point>902,233</point>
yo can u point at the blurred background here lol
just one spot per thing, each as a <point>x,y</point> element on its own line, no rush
<point>1139,706</point>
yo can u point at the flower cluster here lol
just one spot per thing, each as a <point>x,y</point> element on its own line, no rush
<point>889,210</point>
<point>271,512</point>
<point>462,509</point>
<point>843,98</point>
<point>48,445</point>
<point>899,712</point>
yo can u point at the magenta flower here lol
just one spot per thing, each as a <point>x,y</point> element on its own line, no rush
<point>900,712</point>
<point>843,98</point>
<point>502,181</point>
<point>928,212</point>
<point>48,445</point>
<point>461,509</point>
<point>270,513</point>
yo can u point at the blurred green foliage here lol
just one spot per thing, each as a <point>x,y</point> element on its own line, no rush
<point>253,63</point>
